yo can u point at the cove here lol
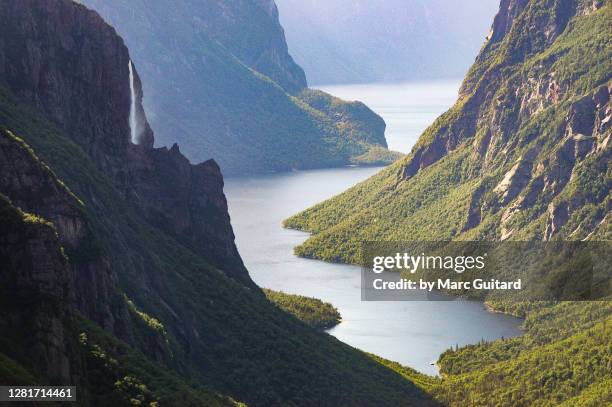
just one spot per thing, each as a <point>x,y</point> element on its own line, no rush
<point>413,333</point>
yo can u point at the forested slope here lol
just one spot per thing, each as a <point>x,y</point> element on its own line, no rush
<point>119,270</point>
<point>523,155</point>
<point>219,80</point>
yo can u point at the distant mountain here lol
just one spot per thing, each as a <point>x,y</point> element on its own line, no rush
<point>218,79</point>
<point>118,268</point>
<point>525,154</point>
<point>361,41</point>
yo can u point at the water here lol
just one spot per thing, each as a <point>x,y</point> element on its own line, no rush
<point>408,108</point>
<point>133,124</point>
<point>412,333</point>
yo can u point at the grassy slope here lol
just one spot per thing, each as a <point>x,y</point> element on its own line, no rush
<point>245,347</point>
<point>564,357</point>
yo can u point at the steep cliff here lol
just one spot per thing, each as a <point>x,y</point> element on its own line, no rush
<point>219,81</point>
<point>56,270</point>
<point>119,270</point>
<point>250,30</point>
<point>76,69</point>
<point>35,297</point>
<point>34,188</point>
<point>523,155</point>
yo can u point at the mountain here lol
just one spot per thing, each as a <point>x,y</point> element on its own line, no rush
<point>523,155</point>
<point>119,270</point>
<point>343,41</point>
<point>218,79</point>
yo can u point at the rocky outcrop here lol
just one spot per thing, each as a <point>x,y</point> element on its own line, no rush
<point>35,296</point>
<point>516,178</point>
<point>66,61</point>
<point>252,31</point>
<point>557,217</point>
<point>187,201</point>
<point>502,23</point>
<point>498,103</point>
<point>34,188</point>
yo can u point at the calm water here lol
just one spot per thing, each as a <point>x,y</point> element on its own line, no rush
<point>408,108</point>
<point>412,333</point>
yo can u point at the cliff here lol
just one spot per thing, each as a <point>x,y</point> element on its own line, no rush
<point>34,188</point>
<point>219,81</point>
<point>35,296</point>
<point>521,155</point>
<point>76,70</point>
<point>524,155</point>
<point>120,273</point>
<point>251,31</point>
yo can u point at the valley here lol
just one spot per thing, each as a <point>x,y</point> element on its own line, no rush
<point>413,333</point>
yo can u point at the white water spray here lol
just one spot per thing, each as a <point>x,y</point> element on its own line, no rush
<point>133,121</point>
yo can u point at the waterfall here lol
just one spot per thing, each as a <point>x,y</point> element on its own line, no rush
<point>133,121</point>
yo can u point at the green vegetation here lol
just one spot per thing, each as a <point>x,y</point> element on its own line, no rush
<point>218,89</point>
<point>121,375</point>
<point>376,156</point>
<point>505,126</point>
<point>146,318</point>
<point>239,344</point>
<point>312,311</point>
<point>561,358</point>
<point>425,382</point>
<point>13,218</point>
<point>435,203</point>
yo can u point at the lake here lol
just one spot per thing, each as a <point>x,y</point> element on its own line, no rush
<point>408,108</point>
<point>413,333</point>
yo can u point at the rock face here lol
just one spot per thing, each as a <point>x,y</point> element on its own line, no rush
<point>34,188</point>
<point>524,154</point>
<point>219,81</point>
<point>491,116</point>
<point>66,61</point>
<point>251,31</point>
<point>118,268</point>
<point>481,102</point>
<point>74,63</point>
<point>187,201</point>
<point>35,295</point>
